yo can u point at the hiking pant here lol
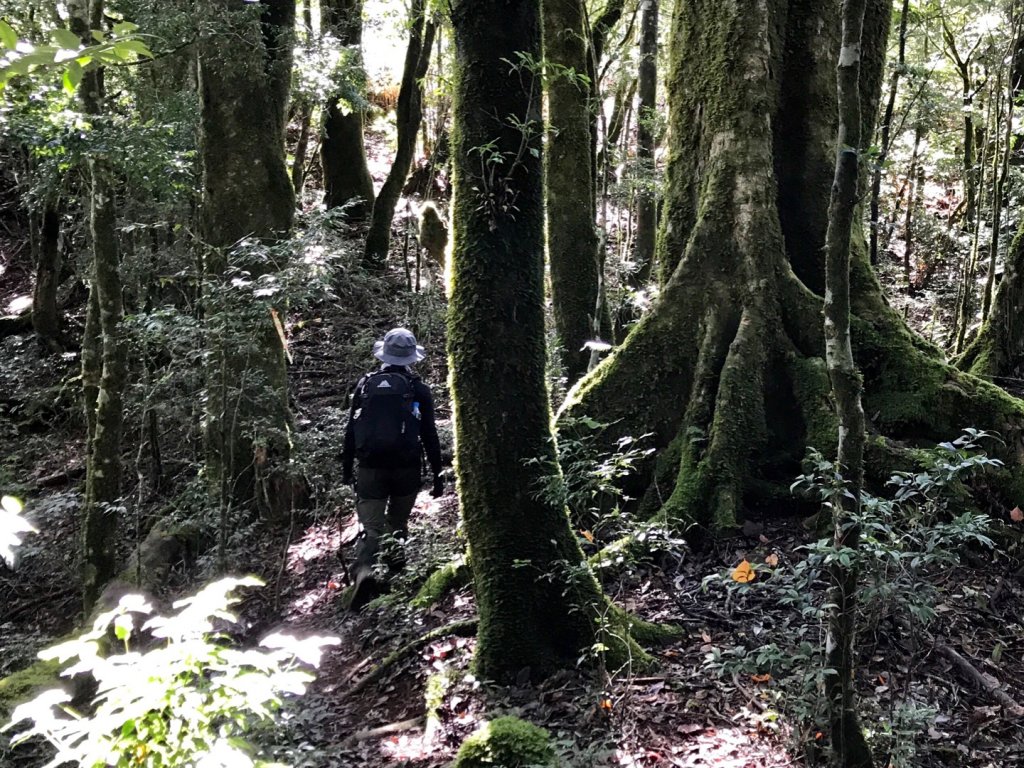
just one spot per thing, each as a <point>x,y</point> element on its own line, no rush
<point>385,498</point>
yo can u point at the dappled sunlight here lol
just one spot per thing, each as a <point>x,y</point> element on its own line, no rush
<point>18,304</point>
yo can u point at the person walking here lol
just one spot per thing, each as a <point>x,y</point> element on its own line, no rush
<point>390,425</point>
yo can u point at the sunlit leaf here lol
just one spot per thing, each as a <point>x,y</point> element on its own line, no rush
<point>65,38</point>
<point>8,37</point>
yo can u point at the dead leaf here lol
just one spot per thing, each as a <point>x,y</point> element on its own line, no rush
<point>744,573</point>
<point>772,560</point>
<point>1016,515</point>
<point>761,678</point>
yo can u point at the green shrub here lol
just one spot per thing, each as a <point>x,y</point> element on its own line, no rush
<point>188,698</point>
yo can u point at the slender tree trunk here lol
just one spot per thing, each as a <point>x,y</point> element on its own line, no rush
<point>572,241</point>
<point>887,117</point>
<point>646,206</point>
<point>104,379</point>
<point>848,742</point>
<point>247,203</point>
<point>409,116</point>
<point>731,358</point>
<point>45,236</point>
<point>965,307</point>
<point>305,111</point>
<point>525,557</point>
<point>342,153</point>
<point>1000,173</point>
<point>913,192</point>
<point>963,68</point>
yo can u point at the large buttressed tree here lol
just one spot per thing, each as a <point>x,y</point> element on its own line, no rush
<point>727,370</point>
<point>529,573</point>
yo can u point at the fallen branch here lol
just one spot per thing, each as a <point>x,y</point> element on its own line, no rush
<point>463,628</point>
<point>986,682</point>
<point>384,730</point>
<point>61,478</point>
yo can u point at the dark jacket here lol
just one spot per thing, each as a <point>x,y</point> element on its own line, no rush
<point>428,429</point>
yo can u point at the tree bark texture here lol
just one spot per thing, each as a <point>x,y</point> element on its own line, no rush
<point>409,116</point>
<point>103,372</point>
<point>45,235</point>
<point>848,742</point>
<point>646,203</point>
<point>526,561</point>
<point>728,369</point>
<point>247,198</point>
<point>342,153</point>
<point>572,242</point>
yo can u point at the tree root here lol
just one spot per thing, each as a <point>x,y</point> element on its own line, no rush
<point>451,575</point>
<point>463,628</point>
<point>987,683</point>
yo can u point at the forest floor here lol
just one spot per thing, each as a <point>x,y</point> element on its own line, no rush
<point>739,687</point>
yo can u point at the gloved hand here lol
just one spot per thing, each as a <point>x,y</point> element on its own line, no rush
<point>438,489</point>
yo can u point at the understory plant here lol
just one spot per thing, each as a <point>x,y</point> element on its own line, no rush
<point>921,526</point>
<point>177,693</point>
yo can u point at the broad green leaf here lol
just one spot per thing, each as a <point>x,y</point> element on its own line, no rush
<point>65,38</point>
<point>72,76</point>
<point>124,28</point>
<point>134,46</point>
<point>8,37</point>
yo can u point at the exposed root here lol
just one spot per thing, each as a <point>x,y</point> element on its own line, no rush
<point>464,628</point>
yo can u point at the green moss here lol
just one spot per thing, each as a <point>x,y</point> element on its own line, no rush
<point>17,687</point>
<point>506,742</point>
<point>812,388</point>
<point>449,576</point>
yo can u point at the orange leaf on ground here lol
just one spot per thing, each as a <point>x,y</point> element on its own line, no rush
<point>588,536</point>
<point>743,573</point>
<point>761,678</point>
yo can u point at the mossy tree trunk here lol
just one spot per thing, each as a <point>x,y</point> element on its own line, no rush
<point>247,206</point>
<point>409,116</point>
<point>535,602</point>
<point>727,370</point>
<point>848,742</point>
<point>103,364</point>
<point>997,352</point>
<point>646,210</point>
<point>342,153</point>
<point>572,242</point>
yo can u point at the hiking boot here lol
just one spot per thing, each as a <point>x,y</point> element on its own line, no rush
<point>367,589</point>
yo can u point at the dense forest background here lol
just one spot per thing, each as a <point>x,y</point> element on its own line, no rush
<point>721,304</point>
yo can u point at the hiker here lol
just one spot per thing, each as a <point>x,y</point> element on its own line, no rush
<point>392,414</point>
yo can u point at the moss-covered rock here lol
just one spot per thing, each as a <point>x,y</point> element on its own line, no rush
<point>506,742</point>
<point>22,685</point>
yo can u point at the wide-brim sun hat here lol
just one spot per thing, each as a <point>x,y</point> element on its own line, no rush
<point>398,347</point>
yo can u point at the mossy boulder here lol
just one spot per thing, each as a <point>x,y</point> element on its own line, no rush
<point>26,683</point>
<point>507,742</point>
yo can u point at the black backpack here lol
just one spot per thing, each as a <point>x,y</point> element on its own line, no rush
<point>386,421</point>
